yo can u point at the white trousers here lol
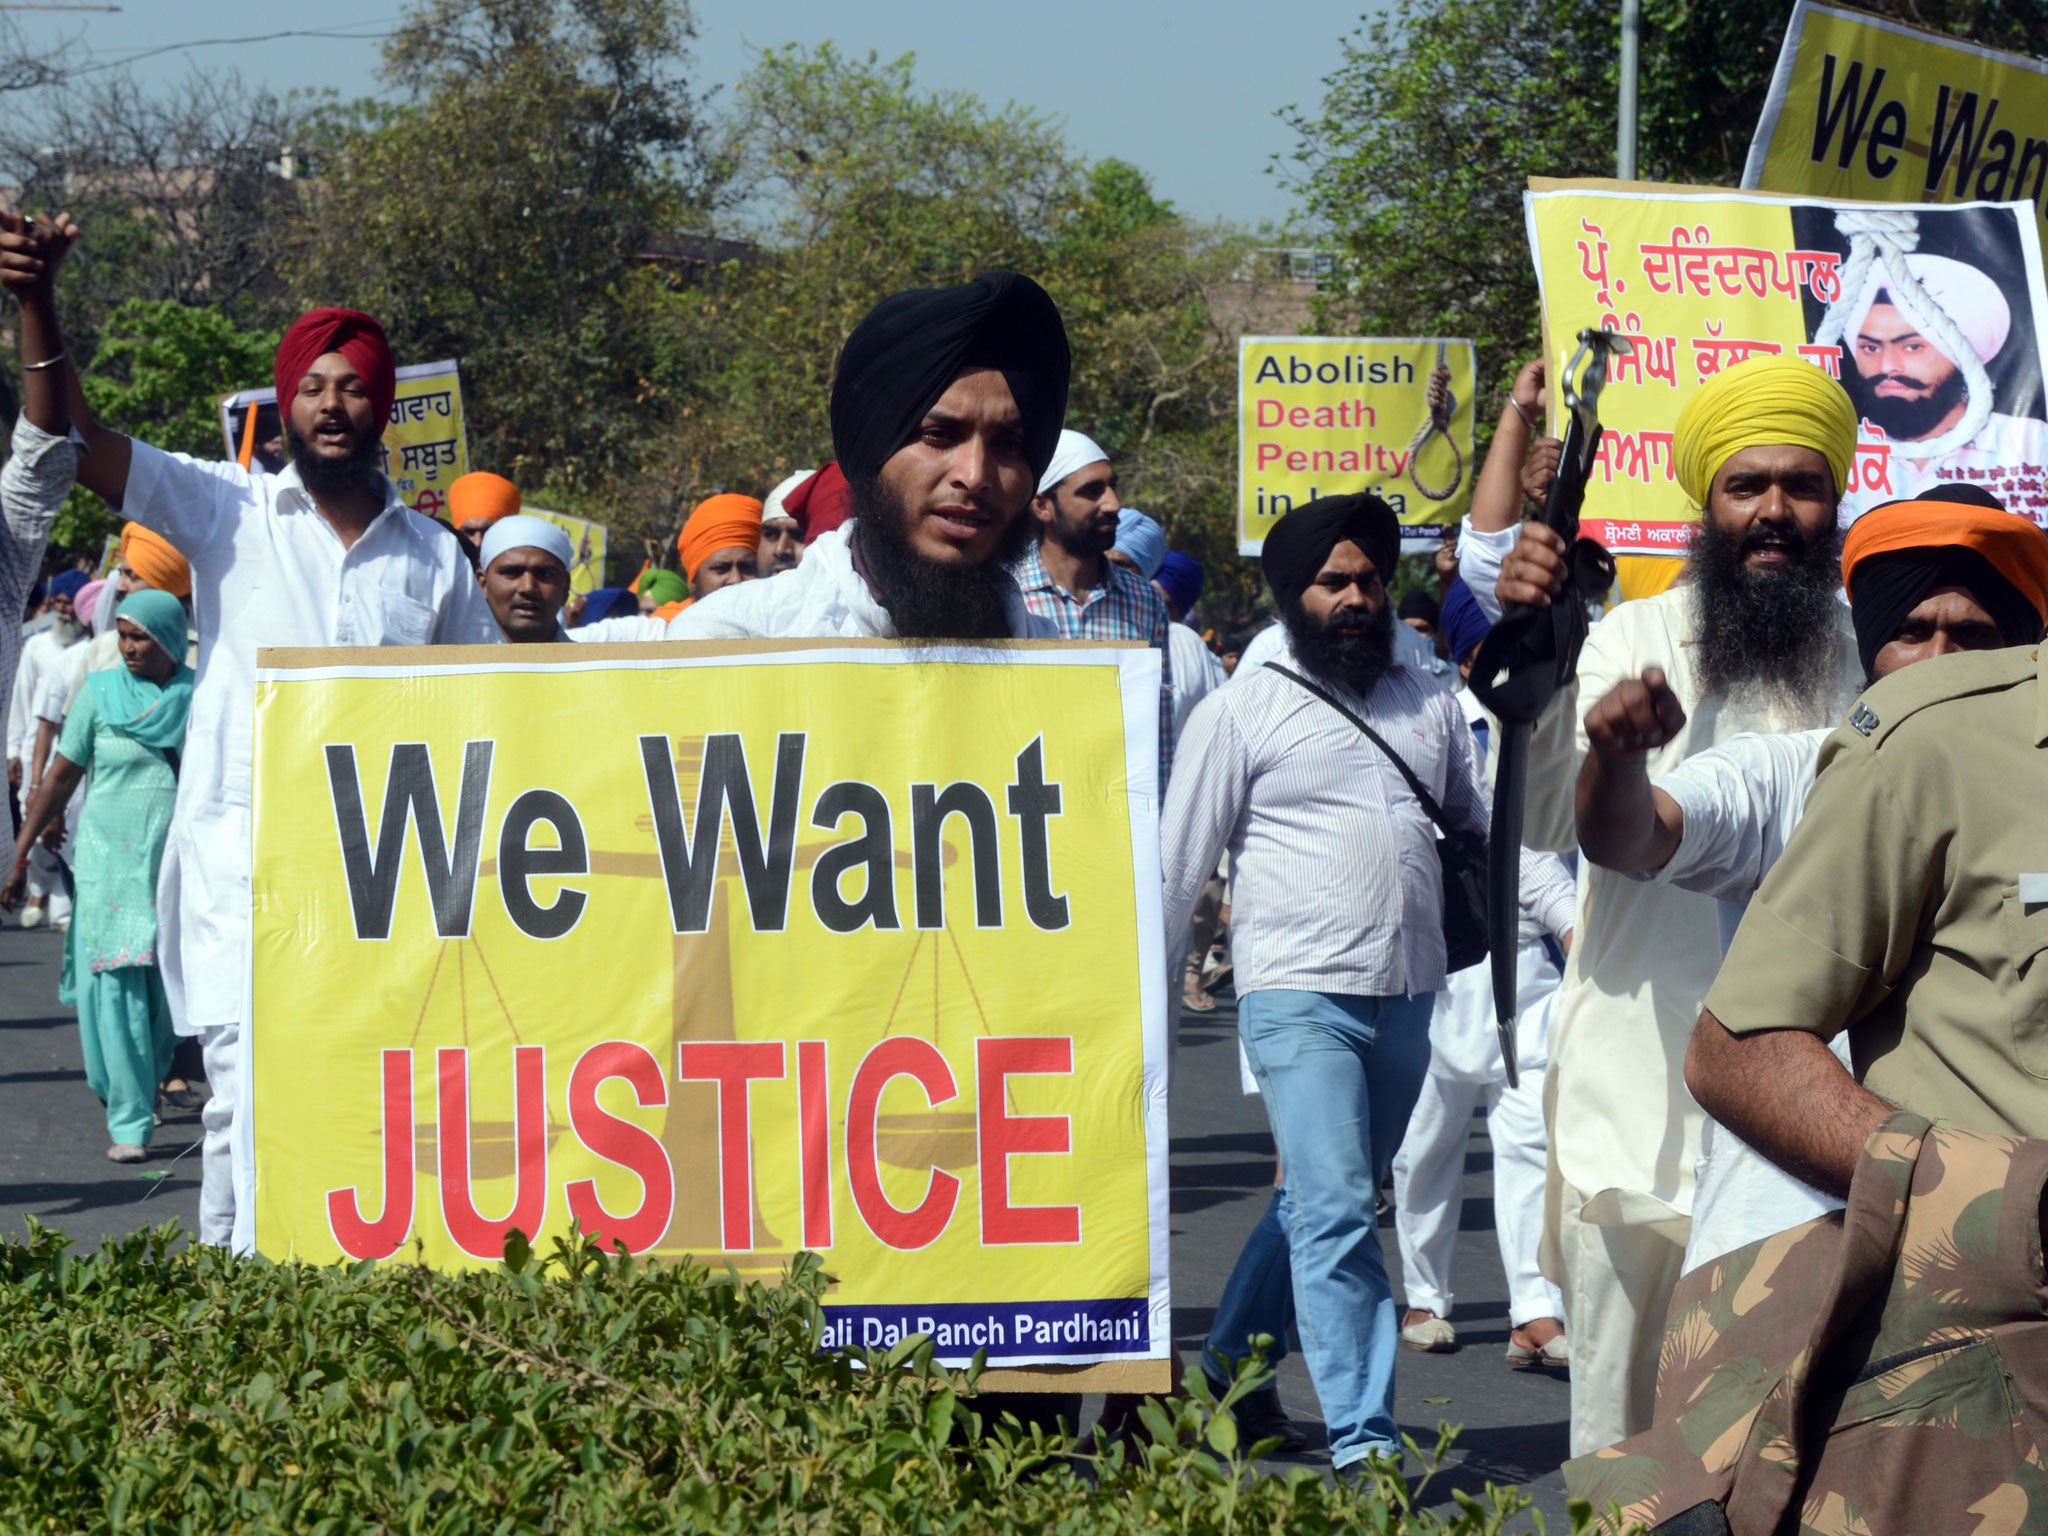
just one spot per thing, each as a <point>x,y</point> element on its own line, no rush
<point>227,1185</point>
<point>1617,1292</point>
<point>1429,1191</point>
<point>46,884</point>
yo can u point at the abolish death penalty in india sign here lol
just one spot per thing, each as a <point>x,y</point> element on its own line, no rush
<point>727,953</point>
<point>1332,416</point>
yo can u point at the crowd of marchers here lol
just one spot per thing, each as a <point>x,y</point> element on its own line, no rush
<point>1782,896</point>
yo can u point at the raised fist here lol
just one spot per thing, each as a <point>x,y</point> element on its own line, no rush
<point>1636,716</point>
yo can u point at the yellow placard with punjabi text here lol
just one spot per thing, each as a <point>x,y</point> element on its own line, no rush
<point>426,448</point>
<point>1330,416</point>
<point>1700,279</point>
<point>726,955</point>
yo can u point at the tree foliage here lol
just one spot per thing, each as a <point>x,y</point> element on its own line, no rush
<point>1415,160</point>
<point>500,214</point>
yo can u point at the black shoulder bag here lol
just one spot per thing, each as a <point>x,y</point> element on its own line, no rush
<point>1461,854</point>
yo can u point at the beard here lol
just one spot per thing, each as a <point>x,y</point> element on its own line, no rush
<point>1351,661</point>
<point>357,470</point>
<point>1908,420</point>
<point>925,599</point>
<point>67,627</point>
<point>1083,540</point>
<point>1768,637</point>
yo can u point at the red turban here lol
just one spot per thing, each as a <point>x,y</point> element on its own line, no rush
<point>820,503</point>
<point>721,522</point>
<point>356,337</point>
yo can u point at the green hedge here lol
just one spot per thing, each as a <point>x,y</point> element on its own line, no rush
<point>161,1386</point>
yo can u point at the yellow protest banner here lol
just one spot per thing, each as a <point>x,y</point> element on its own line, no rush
<point>1865,107</point>
<point>1328,416</point>
<point>1929,315</point>
<point>678,944</point>
<point>425,447</point>
<point>586,572</point>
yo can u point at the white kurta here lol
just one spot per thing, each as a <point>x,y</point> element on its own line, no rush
<point>823,598</point>
<point>1193,672</point>
<point>1740,802</point>
<point>2009,458</point>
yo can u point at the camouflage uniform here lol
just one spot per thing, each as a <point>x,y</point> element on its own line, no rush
<point>1879,1370</point>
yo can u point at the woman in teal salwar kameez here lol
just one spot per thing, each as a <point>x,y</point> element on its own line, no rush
<point>126,726</point>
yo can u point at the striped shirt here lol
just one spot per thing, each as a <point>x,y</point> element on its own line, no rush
<point>32,487</point>
<point>1334,873</point>
<point>1125,606</point>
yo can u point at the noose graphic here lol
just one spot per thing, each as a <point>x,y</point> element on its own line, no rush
<point>1442,404</point>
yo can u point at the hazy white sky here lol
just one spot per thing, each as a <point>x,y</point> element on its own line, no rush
<point>1187,90</point>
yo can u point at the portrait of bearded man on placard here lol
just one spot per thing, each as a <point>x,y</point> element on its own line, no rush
<point>1936,325</point>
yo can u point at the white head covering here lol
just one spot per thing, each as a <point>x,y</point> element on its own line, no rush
<point>773,507</point>
<point>1077,450</point>
<point>1968,297</point>
<point>522,531</point>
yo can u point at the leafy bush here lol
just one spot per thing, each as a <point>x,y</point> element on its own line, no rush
<point>160,1386</point>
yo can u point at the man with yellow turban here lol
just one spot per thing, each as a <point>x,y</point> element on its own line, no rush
<point>1754,640</point>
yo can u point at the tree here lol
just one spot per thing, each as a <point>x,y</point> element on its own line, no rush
<point>1415,161</point>
<point>158,375</point>
<point>502,212</point>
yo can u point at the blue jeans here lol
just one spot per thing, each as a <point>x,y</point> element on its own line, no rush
<point>1340,1076</point>
<point>1258,1298</point>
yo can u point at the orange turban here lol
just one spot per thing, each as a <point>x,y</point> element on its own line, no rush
<point>2011,544</point>
<point>481,497</point>
<point>719,523</point>
<point>150,556</point>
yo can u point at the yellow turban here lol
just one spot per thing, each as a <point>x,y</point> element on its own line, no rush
<point>150,556</point>
<point>1763,402</point>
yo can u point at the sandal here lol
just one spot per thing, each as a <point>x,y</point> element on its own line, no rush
<point>1195,1000</point>
<point>1554,1354</point>
<point>123,1152</point>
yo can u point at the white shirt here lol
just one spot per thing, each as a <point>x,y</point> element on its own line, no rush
<point>1335,881</point>
<point>1411,650</point>
<point>1740,802</point>
<point>1192,670</point>
<point>268,570</point>
<point>1626,1132</point>
<point>2009,458</point>
<point>33,486</point>
<point>627,626</point>
<point>43,656</point>
<point>824,597</point>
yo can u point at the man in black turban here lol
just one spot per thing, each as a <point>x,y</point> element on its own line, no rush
<point>946,405</point>
<point>1327,563</point>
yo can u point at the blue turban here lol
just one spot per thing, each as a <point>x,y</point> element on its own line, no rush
<point>1462,623</point>
<point>598,606</point>
<point>67,584</point>
<point>1142,539</point>
<point>1180,578</point>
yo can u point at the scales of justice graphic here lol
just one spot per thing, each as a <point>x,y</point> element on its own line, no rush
<point>701,1009</point>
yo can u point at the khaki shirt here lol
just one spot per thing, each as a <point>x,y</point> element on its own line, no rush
<point>1897,912</point>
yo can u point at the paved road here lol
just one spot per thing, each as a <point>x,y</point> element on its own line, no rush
<point>53,1166</point>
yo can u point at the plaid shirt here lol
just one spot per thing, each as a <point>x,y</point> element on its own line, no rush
<point>1123,607</point>
<point>32,487</point>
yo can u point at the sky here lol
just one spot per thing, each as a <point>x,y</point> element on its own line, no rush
<point>1186,90</point>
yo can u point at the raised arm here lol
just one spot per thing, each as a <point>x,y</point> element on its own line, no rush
<point>31,254</point>
<point>1497,494</point>
<point>1624,822</point>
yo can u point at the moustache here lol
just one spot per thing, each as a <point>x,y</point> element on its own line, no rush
<point>1906,379</point>
<point>1781,536</point>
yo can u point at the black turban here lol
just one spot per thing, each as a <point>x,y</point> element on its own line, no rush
<point>1419,605</point>
<point>1298,545</point>
<point>912,345</point>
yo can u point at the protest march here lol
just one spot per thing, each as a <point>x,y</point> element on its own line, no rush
<point>752,833</point>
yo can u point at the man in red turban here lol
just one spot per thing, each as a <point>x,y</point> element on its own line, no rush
<point>324,554</point>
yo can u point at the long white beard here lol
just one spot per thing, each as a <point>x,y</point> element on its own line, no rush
<point>66,628</point>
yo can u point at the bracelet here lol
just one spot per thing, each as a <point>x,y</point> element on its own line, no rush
<point>51,362</point>
<point>1521,413</point>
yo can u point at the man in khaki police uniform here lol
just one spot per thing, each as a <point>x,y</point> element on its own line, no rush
<point>1911,909</point>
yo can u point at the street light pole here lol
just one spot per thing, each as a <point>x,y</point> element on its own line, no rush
<point>1631,53</point>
